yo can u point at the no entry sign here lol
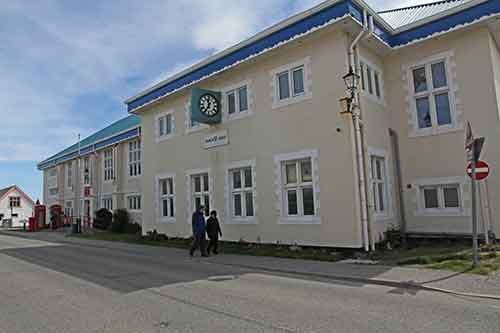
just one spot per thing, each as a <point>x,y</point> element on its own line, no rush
<point>482,170</point>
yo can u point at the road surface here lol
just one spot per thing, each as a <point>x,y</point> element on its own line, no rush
<point>65,287</point>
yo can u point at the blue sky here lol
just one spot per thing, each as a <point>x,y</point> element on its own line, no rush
<point>67,66</point>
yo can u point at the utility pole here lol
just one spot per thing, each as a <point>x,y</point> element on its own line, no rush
<point>475,254</point>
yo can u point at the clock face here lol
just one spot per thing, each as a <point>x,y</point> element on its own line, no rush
<point>209,105</point>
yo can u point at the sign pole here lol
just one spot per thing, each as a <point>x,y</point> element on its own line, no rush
<point>475,255</point>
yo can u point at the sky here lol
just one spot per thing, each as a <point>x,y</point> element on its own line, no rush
<point>67,66</point>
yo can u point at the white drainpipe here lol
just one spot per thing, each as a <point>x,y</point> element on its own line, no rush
<point>358,137</point>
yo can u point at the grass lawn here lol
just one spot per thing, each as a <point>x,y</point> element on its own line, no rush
<point>437,254</point>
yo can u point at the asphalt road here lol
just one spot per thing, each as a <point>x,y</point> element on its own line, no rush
<point>48,287</point>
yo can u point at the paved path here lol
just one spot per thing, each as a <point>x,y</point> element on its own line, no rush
<point>80,286</point>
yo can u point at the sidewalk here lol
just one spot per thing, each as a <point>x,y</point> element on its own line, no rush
<point>359,273</point>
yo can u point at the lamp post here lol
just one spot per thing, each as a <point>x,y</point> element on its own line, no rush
<point>351,80</point>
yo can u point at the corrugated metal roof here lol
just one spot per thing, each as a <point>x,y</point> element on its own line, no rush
<point>400,17</point>
<point>122,125</point>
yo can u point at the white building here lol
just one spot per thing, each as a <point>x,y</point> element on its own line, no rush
<point>15,207</point>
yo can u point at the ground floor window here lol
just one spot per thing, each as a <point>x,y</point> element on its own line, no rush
<point>107,203</point>
<point>298,188</point>
<point>242,192</point>
<point>68,208</point>
<point>379,184</point>
<point>134,202</point>
<point>167,197</point>
<point>200,191</point>
<point>441,196</point>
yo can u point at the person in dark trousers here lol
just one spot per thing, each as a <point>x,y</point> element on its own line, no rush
<point>199,230</point>
<point>213,232</point>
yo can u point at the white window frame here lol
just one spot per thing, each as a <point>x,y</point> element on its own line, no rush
<point>108,165</point>
<point>137,162</point>
<point>137,206</point>
<point>52,178</point>
<point>280,160</point>
<point>159,198</point>
<point>453,95</point>
<point>229,191</point>
<point>388,213</point>
<point>15,199</point>
<point>367,80</point>
<point>305,64</point>
<point>238,113</point>
<point>105,200</point>
<point>163,117</point>
<point>190,128</point>
<point>423,183</point>
<point>190,194</point>
<point>69,175</point>
<point>68,209</point>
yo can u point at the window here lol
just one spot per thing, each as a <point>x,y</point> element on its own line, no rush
<point>134,158</point>
<point>241,192</point>
<point>68,208</point>
<point>134,202</point>
<point>108,165</point>
<point>15,202</point>
<point>237,100</point>
<point>379,184</point>
<point>291,83</point>
<point>107,203</point>
<point>431,95</point>
<point>371,80</point>
<point>441,197</point>
<point>53,191</point>
<point>167,197</point>
<point>200,191</point>
<point>86,171</point>
<point>53,172</point>
<point>69,174</point>
<point>298,188</point>
<point>165,125</point>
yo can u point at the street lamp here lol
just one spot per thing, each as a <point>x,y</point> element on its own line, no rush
<point>351,80</point>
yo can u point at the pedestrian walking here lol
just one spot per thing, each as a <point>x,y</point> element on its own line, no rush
<point>199,230</point>
<point>213,232</point>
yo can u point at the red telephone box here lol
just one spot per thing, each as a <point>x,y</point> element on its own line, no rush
<point>39,218</point>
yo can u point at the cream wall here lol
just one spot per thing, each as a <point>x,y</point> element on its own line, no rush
<point>442,155</point>
<point>313,124</point>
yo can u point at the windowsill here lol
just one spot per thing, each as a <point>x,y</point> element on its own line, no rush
<point>373,98</point>
<point>431,131</point>
<point>169,220</point>
<point>241,220</point>
<point>134,176</point>
<point>291,100</point>
<point>442,212</point>
<point>135,210</point>
<point>193,129</point>
<point>380,217</point>
<point>299,220</point>
<point>238,115</point>
<point>165,138</point>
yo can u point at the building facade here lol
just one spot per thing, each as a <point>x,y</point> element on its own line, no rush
<point>285,165</point>
<point>16,207</point>
<point>102,171</point>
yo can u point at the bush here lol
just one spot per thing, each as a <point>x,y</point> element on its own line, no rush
<point>121,219</point>
<point>133,228</point>
<point>103,219</point>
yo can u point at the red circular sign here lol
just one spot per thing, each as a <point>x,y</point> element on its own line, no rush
<point>482,170</point>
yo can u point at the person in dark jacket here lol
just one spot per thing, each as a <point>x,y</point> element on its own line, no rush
<point>213,232</point>
<point>199,230</point>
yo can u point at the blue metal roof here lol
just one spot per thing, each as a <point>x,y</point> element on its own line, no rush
<point>310,23</point>
<point>123,129</point>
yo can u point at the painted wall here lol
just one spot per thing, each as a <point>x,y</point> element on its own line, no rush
<point>23,212</point>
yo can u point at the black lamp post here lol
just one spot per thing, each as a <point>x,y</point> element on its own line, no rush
<point>351,80</point>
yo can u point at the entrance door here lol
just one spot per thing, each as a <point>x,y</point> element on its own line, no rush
<point>86,212</point>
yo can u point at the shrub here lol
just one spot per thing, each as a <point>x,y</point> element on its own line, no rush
<point>121,219</point>
<point>133,228</point>
<point>103,219</point>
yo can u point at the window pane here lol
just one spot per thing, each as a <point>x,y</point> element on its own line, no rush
<point>439,75</point>
<point>197,203</point>
<point>419,80</point>
<point>451,199</point>
<point>168,127</point>
<point>291,173</point>
<point>197,184</point>
<point>292,202</point>
<point>377,84</point>
<point>308,199</point>
<point>298,81</point>
<point>242,95</point>
<point>206,203</point>
<point>283,85</point>
<point>231,102</point>
<point>249,203</point>
<point>205,182</point>
<point>423,112</point>
<point>163,184</point>
<point>161,123</point>
<point>165,208</point>
<point>381,197</point>
<point>431,198</point>
<point>443,109</point>
<point>378,164</point>
<point>236,179</point>
<point>170,183</point>
<point>237,204</point>
<point>248,177</point>
<point>369,79</point>
<point>306,171</point>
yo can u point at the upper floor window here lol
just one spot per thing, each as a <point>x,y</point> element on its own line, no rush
<point>53,172</point>
<point>237,100</point>
<point>53,191</point>
<point>14,201</point>
<point>165,125</point>
<point>108,165</point>
<point>134,158</point>
<point>371,80</point>
<point>69,174</point>
<point>292,83</point>
<point>86,171</point>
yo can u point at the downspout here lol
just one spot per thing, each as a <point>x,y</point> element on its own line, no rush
<point>356,113</point>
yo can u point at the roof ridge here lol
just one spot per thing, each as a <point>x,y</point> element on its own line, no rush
<point>416,6</point>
